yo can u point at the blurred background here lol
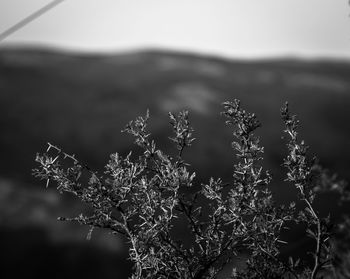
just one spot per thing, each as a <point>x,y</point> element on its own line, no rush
<point>78,73</point>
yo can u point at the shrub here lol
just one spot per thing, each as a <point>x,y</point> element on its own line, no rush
<point>146,198</point>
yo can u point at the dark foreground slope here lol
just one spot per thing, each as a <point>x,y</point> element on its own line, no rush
<point>81,102</point>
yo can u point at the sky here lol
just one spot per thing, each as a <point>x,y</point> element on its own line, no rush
<point>231,28</point>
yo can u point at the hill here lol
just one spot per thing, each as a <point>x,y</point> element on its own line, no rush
<point>81,102</point>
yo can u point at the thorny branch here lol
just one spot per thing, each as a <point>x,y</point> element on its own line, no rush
<point>142,198</point>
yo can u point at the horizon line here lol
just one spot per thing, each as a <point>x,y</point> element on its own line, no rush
<point>179,50</point>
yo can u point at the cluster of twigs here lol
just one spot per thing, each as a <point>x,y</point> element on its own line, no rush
<point>144,198</point>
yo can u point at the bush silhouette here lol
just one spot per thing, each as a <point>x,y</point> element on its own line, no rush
<point>146,198</point>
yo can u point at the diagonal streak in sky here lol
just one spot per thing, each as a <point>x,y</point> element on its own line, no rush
<point>29,19</point>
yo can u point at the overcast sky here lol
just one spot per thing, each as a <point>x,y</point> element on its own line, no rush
<point>235,28</point>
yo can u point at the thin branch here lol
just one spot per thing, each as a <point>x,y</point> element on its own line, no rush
<point>29,19</point>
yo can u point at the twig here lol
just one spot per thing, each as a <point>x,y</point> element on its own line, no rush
<point>29,19</point>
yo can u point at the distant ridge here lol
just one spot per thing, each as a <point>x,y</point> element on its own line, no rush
<point>82,101</point>
<point>50,50</point>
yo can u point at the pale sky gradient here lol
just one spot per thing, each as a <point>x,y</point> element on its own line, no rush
<point>233,28</point>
